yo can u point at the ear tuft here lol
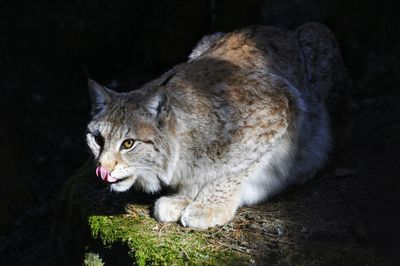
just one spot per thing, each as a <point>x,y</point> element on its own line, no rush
<point>100,96</point>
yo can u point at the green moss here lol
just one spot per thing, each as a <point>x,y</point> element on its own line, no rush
<point>113,220</point>
<point>151,243</point>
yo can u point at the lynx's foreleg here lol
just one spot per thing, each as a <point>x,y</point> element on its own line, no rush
<point>216,204</point>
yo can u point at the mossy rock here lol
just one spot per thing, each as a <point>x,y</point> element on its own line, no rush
<point>99,227</point>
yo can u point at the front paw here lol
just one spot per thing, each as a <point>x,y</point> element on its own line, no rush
<point>200,216</point>
<point>169,209</point>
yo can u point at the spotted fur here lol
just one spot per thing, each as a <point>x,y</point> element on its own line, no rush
<point>243,119</point>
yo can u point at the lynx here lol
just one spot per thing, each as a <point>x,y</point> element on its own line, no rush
<point>245,117</point>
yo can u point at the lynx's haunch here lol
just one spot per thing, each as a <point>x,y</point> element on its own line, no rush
<point>244,118</point>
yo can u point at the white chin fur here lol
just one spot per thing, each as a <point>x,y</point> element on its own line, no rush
<point>150,183</point>
<point>124,185</point>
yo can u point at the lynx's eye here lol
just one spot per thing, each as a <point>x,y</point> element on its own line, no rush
<point>127,144</point>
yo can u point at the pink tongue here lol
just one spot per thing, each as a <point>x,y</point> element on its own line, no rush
<point>105,174</point>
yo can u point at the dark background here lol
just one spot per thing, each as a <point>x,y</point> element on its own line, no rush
<point>46,47</point>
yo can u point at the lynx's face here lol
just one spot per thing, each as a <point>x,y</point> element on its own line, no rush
<point>128,138</point>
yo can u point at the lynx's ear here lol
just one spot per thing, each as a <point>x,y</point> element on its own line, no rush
<point>158,104</point>
<point>100,96</point>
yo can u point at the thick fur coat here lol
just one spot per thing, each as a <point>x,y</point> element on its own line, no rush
<point>244,118</point>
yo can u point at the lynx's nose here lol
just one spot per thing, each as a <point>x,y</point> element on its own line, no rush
<point>104,174</point>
